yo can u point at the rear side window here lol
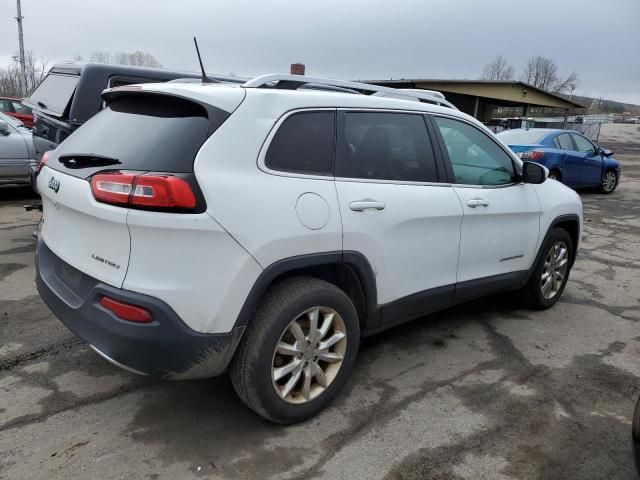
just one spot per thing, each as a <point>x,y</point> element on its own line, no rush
<point>385,146</point>
<point>475,158</point>
<point>141,132</point>
<point>304,144</point>
<point>563,142</point>
<point>54,92</point>
<point>20,108</point>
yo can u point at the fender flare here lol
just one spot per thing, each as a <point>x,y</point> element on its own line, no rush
<point>354,260</point>
<point>570,217</point>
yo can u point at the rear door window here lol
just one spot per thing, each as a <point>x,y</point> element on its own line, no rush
<point>385,146</point>
<point>564,142</point>
<point>54,92</point>
<point>304,144</point>
<point>139,132</point>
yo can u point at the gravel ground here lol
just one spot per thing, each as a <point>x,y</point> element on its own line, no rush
<point>484,390</point>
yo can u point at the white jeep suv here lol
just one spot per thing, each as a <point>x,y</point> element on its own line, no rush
<point>268,226</point>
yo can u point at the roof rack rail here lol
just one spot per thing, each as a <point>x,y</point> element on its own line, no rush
<point>293,82</point>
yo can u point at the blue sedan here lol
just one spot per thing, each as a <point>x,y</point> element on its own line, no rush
<point>570,156</point>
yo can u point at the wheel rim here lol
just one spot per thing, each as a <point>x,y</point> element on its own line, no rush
<point>609,181</point>
<point>309,355</point>
<point>554,270</point>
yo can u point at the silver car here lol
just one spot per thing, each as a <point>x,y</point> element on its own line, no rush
<point>17,153</point>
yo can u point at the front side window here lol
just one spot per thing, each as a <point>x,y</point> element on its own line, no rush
<point>583,145</point>
<point>475,158</point>
<point>4,105</point>
<point>564,142</point>
<point>20,108</point>
<point>385,146</point>
<point>304,144</point>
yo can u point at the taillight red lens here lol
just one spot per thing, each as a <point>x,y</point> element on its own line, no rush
<point>160,191</point>
<point>43,161</point>
<point>112,187</point>
<point>125,311</point>
<point>147,190</point>
<point>533,155</point>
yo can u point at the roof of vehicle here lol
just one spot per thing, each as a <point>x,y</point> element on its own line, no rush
<point>301,92</point>
<point>13,121</point>
<point>10,98</point>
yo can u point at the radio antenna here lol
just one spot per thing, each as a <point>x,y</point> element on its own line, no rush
<point>205,79</point>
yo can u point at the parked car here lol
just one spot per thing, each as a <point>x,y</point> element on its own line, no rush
<point>17,153</point>
<point>69,95</point>
<point>14,107</point>
<point>268,228</point>
<point>570,156</point>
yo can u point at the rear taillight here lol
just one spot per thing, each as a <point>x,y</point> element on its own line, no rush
<point>125,311</point>
<point>43,161</point>
<point>532,156</point>
<point>156,191</point>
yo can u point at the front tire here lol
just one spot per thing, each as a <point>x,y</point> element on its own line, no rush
<point>298,351</point>
<point>551,271</point>
<point>609,182</point>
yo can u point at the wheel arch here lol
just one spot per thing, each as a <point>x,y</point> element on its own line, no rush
<point>571,224</point>
<point>349,271</point>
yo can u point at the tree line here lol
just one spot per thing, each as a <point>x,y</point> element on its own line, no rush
<point>540,72</point>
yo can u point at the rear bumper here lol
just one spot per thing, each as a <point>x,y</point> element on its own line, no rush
<point>166,347</point>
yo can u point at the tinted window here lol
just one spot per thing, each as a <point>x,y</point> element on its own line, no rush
<point>142,133</point>
<point>583,144</point>
<point>304,144</point>
<point>385,146</point>
<point>476,159</point>
<point>563,142</point>
<point>20,108</point>
<point>4,106</point>
<point>54,93</point>
<point>521,136</point>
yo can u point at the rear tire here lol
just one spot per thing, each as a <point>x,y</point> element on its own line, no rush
<point>551,271</point>
<point>555,175</point>
<point>281,339</point>
<point>609,182</point>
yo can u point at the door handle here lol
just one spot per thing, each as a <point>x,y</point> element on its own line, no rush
<point>477,202</point>
<point>362,205</point>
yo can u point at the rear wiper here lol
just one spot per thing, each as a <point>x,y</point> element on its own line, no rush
<point>84,160</point>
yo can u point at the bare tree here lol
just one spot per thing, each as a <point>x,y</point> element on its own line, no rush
<point>542,72</point>
<point>11,83</point>
<point>137,58</point>
<point>498,69</point>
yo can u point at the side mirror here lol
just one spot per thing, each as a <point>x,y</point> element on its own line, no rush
<point>4,128</point>
<point>605,152</point>
<point>534,172</point>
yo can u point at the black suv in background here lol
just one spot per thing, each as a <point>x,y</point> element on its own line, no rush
<point>70,95</point>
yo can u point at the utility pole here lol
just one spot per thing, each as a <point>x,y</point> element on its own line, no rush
<point>21,44</point>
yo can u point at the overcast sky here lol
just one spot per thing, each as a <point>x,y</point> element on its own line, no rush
<point>347,39</point>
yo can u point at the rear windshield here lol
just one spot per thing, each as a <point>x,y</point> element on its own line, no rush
<point>141,132</point>
<point>521,137</point>
<point>54,92</point>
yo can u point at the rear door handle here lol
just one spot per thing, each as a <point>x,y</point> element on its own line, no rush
<point>362,205</point>
<point>477,202</point>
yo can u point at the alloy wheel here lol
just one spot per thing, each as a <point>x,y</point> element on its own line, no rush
<point>308,355</point>
<point>609,181</point>
<point>554,270</point>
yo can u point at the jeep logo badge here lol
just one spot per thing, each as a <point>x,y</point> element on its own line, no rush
<point>54,184</point>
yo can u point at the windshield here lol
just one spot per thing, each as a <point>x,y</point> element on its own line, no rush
<point>521,136</point>
<point>54,92</point>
